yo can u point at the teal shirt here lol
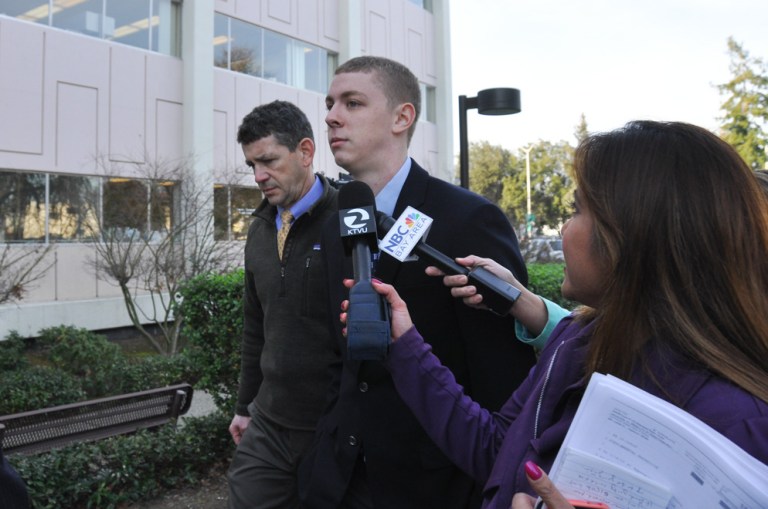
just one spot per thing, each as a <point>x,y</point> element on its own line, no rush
<point>555,314</point>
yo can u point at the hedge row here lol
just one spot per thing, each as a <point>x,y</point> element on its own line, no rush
<point>80,365</point>
<point>74,364</point>
<point>112,472</point>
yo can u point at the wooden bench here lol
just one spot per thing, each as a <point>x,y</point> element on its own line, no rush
<point>49,428</point>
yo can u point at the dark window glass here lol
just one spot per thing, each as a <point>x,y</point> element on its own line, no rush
<point>220,212</point>
<point>126,206</point>
<point>83,17</point>
<point>244,202</point>
<point>161,208</point>
<point>165,26</point>
<point>73,210</point>
<point>26,10</point>
<point>310,68</point>
<point>232,209</point>
<point>277,57</point>
<point>221,41</point>
<point>22,207</point>
<point>129,22</point>
<point>245,48</point>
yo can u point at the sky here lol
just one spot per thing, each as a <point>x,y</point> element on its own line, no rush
<point>612,60</point>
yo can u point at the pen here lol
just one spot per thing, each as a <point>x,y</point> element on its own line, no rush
<point>578,504</point>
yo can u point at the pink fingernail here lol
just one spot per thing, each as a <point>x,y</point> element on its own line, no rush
<point>377,281</point>
<point>533,471</point>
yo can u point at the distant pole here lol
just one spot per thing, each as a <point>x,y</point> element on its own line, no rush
<point>492,101</point>
<point>528,217</point>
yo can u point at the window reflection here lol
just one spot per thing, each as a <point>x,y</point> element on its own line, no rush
<point>126,203</point>
<point>161,208</point>
<point>146,24</point>
<point>277,49</point>
<point>249,49</point>
<point>244,202</point>
<point>310,70</point>
<point>245,48</point>
<point>232,209</point>
<point>129,22</point>
<point>36,11</point>
<point>221,41</point>
<point>73,212</point>
<point>83,16</point>
<point>22,207</point>
<point>130,208</point>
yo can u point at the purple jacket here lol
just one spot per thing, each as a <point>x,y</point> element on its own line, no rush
<point>493,447</point>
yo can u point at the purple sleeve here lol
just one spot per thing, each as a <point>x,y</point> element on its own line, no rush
<point>468,434</point>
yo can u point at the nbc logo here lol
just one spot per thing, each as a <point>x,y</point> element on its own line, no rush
<point>410,221</point>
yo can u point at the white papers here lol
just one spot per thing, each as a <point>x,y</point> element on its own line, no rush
<point>630,449</point>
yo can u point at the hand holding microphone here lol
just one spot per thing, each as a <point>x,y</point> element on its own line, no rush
<point>460,284</point>
<point>368,334</point>
<point>404,237</point>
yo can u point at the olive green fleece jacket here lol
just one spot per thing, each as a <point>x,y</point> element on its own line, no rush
<point>288,351</point>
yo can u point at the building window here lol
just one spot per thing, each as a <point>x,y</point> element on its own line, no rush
<point>428,103</point>
<point>40,207</point>
<point>249,49</point>
<point>147,24</point>
<point>22,207</point>
<point>424,4</point>
<point>138,207</point>
<point>72,208</point>
<point>232,209</point>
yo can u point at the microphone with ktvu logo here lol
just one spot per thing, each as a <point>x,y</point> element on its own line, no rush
<point>404,237</point>
<point>368,333</point>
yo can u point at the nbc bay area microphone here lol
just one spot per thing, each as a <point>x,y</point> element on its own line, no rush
<point>368,330</point>
<point>498,295</point>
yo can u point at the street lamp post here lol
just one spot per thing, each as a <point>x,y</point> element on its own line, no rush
<point>491,101</point>
<point>528,218</point>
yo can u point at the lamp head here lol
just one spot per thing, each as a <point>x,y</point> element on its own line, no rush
<point>498,101</point>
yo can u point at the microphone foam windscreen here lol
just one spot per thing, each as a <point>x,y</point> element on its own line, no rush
<point>356,194</point>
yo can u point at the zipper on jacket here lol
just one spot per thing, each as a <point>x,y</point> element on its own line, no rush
<point>543,389</point>
<point>305,284</point>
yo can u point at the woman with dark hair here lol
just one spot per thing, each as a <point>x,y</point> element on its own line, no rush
<point>666,250</point>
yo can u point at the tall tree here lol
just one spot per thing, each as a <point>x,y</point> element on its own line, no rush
<point>489,166</point>
<point>581,132</point>
<point>499,175</point>
<point>551,186</point>
<point>744,122</point>
<point>156,234</point>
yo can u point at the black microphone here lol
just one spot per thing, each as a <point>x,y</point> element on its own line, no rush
<point>368,334</point>
<point>498,295</point>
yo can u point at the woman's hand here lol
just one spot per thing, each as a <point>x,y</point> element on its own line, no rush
<point>399,321</point>
<point>541,483</point>
<point>459,283</point>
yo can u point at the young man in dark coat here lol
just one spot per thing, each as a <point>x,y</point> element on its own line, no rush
<point>370,452</point>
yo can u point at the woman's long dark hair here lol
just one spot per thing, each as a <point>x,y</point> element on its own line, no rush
<point>682,227</point>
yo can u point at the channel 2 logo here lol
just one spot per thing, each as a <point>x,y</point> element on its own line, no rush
<point>356,218</point>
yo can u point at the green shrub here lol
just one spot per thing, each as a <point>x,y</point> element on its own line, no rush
<point>90,357</point>
<point>12,352</point>
<point>129,468</point>
<point>37,387</point>
<point>212,306</point>
<point>545,279</point>
<point>156,371</point>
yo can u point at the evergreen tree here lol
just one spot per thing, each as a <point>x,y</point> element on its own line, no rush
<point>744,123</point>
<point>581,131</point>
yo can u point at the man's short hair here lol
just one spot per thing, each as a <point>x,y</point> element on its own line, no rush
<point>284,120</point>
<point>399,84</point>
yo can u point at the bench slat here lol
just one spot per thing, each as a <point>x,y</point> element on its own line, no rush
<point>48,428</point>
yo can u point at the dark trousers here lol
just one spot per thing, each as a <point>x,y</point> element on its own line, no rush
<point>262,474</point>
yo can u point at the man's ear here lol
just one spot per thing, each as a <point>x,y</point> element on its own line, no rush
<point>406,116</point>
<point>307,149</point>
